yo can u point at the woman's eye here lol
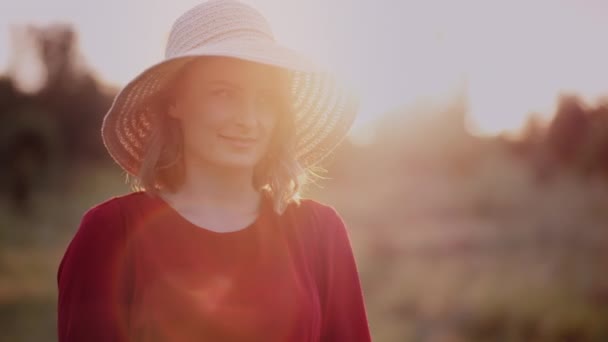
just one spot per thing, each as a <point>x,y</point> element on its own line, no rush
<point>222,92</point>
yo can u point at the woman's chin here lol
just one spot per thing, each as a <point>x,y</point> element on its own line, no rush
<point>229,158</point>
<point>242,161</point>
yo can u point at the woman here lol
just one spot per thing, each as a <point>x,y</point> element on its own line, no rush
<point>215,244</point>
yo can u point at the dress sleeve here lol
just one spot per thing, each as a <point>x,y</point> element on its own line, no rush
<point>92,279</point>
<point>344,312</point>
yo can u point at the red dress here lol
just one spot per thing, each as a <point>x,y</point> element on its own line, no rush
<point>136,270</point>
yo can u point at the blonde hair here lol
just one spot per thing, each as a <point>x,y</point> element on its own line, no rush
<point>279,172</point>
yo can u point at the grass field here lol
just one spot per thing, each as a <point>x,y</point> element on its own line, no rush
<point>493,256</point>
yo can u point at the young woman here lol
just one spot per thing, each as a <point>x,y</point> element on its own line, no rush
<point>214,244</point>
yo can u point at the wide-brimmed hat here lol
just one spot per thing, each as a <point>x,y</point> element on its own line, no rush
<point>324,108</point>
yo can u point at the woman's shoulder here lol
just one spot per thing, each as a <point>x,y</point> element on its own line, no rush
<point>315,207</point>
<point>321,216</point>
<point>101,232</point>
<point>115,206</point>
<point>107,220</point>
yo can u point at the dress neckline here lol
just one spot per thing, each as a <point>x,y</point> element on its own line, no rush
<point>250,228</point>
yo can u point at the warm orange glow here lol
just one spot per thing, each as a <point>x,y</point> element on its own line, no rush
<point>515,56</point>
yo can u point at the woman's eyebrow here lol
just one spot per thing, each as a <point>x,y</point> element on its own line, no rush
<point>225,83</point>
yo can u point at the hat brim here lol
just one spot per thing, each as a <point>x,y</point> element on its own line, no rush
<point>324,109</point>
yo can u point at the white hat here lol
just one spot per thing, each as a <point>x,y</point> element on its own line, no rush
<point>324,110</point>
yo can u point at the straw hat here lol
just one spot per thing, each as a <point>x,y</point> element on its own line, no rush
<point>324,110</point>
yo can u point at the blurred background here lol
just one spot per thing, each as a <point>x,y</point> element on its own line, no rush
<point>474,182</point>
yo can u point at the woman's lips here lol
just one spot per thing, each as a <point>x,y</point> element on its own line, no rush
<point>239,142</point>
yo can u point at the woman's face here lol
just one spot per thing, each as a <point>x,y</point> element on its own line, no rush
<point>228,109</point>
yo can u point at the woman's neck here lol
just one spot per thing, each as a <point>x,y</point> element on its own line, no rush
<point>215,186</point>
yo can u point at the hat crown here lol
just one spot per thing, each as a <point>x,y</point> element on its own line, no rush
<point>214,21</point>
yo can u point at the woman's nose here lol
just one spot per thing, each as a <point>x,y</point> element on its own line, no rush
<point>247,114</point>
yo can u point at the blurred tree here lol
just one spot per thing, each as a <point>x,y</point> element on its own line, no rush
<point>594,157</point>
<point>29,151</point>
<point>568,130</point>
<point>71,92</point>
<point>58,122</point>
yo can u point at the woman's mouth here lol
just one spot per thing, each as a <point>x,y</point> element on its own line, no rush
<point>241,142</point>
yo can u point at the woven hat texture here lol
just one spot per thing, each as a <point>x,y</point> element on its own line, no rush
<point>324,109</point>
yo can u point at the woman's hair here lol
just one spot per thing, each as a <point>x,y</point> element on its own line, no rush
<point>279,172</point>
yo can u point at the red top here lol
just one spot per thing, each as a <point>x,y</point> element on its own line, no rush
<point>136,270</point>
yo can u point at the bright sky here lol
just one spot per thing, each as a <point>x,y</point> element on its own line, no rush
<point>516,55</point>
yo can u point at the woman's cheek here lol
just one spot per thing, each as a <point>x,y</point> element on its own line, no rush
<point>270,121</point>
<point>197,125</point>
<point>215,113</point>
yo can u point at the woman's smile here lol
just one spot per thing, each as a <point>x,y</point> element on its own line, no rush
<point>241,142</point>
